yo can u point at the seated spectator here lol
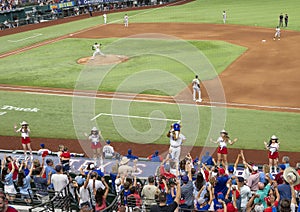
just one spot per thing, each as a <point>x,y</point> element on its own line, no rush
<point>131,156</point>
<point>108,150</point>
<point>162,198</point>
<point>155,157</point>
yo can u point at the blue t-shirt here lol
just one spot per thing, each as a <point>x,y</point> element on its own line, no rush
<point>217,204</point>
<point>284,191</point>
<point>8,179</point>
<point>204,208</point>
<point>207,159</point>
<point>26,186</point>
<point>170,199</point>
<point>221,185</point>
<point>98,171</point>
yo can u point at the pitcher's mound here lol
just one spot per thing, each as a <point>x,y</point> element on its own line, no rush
<point>103,60</point>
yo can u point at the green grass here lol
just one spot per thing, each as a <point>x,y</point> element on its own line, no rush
<point>54,65</point>
<point>247,12</point>
<point>54,120</point>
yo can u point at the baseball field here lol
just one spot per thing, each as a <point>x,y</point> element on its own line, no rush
<point>250,83</point>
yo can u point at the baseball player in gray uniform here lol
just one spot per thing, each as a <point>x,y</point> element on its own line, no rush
<point>277,33</point>
<point>196,89</point>
<point>224,17</point>
<point>126,20</point>
<point>175,145</point>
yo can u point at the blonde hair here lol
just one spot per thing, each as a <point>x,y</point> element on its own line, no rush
<point>266,168</point>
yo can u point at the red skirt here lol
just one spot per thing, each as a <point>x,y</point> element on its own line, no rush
<point>25,140</point>
<point>222,151</point>
<point>273,156</point>
<point>95,146</point>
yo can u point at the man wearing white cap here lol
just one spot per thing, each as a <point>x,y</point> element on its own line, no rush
<point>124,169</point>
<point>24,130</point>
<point>273,154</point>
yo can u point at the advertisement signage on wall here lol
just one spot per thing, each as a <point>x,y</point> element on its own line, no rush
<point>62,5</point>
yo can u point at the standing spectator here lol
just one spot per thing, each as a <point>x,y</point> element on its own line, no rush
<point>245,193</point>
<point>7,179</point>
<point>281,20</point>
<point>59,180</point>
<point>90,10</point>
<point>196,89</point>
<point>24,185</point>
<point>222,179</point>
<point>175,145</point>
<point>4,207</point>
<point>84,194</point>
<point>108,150</point>
<point>297,186</point>
<point>149,192</point>
<point>187,189</point>
<point>279,176</point>
<point>24,130</point>
<point>224,17</point>
<point>126,20</point>
<point>262,192</point>
<point>222,147</point>
<point>10,163</point>
<point>162,198</point>
<point>41,183</point>
<point>285,191</point>
<point>49,169</point>
<point>286,20</point>
<point>253,179</point>
<point>100,196</point>
<point>124,168</point>
<point>272,199</point>
<point>273,148</point>
<point>65,159</point>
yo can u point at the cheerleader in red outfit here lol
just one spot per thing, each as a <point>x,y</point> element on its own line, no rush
<point>222,147</point>
<point>273,154</point>
<point>95,137</point>
<point>24,130</point>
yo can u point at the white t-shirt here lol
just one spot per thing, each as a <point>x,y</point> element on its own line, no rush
<point>178,142</point>
<point>196,83</point>
<point>273,147</point>
<point>222,143</point>
<point>59,181</point>
<point>108,151</point>
<point>23,133</point>
<point>98,184</point>
<point>84,195</point>
<point>245,193</point>
<point>94,138</point>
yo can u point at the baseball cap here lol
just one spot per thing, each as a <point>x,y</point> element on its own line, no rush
<point>221,171</point>
<point>185,179</point>
<point>220,196</point>
<point>108,141</point>
<point>282,166</point>
<point>201,201</point>
<point>42,145</point>
<point>230,169</point>
<point>49,161</point>
<point>255,168</point>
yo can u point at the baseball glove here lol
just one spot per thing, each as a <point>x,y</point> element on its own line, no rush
<point>93,48</point>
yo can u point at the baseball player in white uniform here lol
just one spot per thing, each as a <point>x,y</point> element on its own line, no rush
<point>96,48</point>
<point>105,18</point>
<point>126,20</point>
<point>277,33</point>
<point>224,17</point>
<point>196,89</point>
<point>175,145</point>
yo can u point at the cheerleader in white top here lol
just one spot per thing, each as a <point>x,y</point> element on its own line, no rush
<point>95,138</point>
<point>273,154</point>
<point>24,130</point>
<point>222,147</point>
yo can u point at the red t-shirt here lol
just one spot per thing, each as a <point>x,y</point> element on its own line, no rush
<point>269,209</point>
<point>65,155</point>
<point>15,174</point>
<point>11,209</point>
